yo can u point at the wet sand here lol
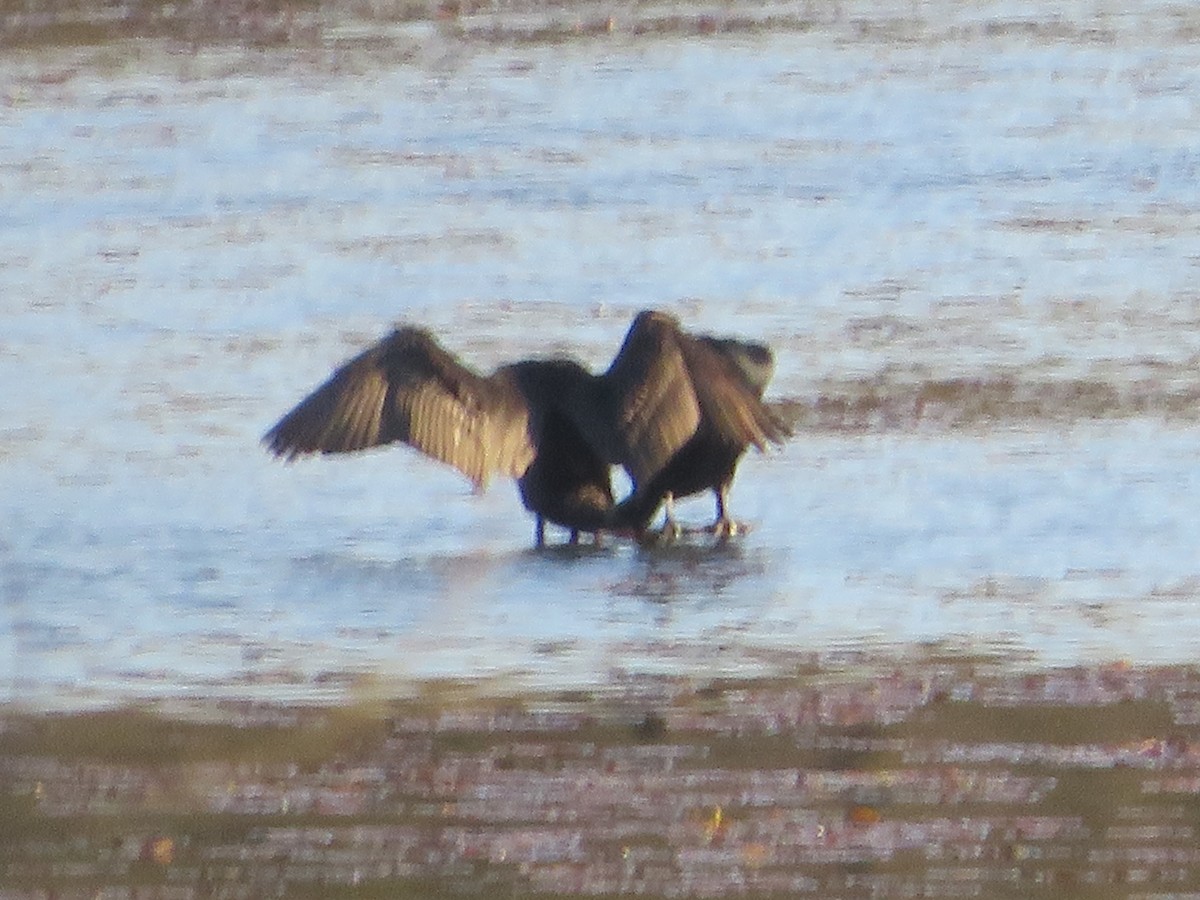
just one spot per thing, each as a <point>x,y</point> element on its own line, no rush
<point>938,776</point>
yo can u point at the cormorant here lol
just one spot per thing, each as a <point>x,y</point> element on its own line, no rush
<point>408,388</point>
<point>730,377</point>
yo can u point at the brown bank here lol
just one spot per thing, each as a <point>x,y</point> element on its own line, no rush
<point>934,778</point>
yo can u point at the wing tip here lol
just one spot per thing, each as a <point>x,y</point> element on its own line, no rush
<point>287,440</point>
<point>278,447</point>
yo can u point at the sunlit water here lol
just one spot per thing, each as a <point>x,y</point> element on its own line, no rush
<point>970,231</point>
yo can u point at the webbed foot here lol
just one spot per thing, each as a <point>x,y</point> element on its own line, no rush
<point>672,531</point>
<point>725,528</point>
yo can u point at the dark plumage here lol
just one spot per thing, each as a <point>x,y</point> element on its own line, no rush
<point>730,375</point>
<point>408,388</point>
<point>665,401</point>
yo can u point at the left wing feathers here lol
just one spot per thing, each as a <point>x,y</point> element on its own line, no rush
<point>408,388</point>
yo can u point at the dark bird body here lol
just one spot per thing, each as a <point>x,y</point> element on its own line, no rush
<point>666,404</point>
<point>567,483</point>
<point>708,460</point>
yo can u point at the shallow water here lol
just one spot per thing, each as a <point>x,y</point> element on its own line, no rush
<point>968,230</point>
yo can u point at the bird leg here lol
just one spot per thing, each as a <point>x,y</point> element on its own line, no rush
<point>671,529</point>
<point>573,540</point>
<point>724,527</point>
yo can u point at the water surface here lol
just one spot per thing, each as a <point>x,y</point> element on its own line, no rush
<point>968,230</point>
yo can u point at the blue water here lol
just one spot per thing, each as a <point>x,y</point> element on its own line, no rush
<point>191,237</point>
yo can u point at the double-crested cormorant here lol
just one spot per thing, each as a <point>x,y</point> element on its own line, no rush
<point>550,424</point>
<point>514,422</point>
<point>729,377</point>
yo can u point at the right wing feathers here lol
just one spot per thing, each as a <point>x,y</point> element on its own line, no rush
<point>729,377</point>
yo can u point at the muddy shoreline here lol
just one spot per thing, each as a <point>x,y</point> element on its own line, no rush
<point>949,778</point>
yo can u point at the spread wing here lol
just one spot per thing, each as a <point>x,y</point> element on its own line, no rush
<point>664,386</point>
<point>408,388</point>
<point>646,408</point>
<point>729,378</point>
